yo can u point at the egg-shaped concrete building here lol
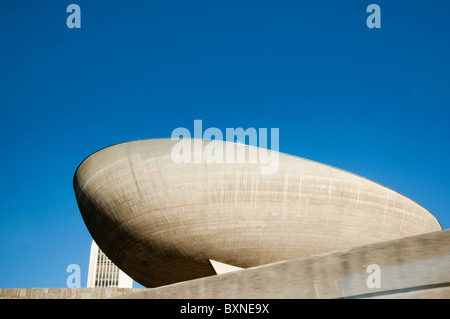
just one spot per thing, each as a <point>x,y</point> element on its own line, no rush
<point>162,220</point>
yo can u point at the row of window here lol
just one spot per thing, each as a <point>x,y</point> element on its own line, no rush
<point>106,283</point>
<point>107,274</point>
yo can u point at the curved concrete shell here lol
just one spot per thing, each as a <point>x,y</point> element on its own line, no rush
<point>161,221</point>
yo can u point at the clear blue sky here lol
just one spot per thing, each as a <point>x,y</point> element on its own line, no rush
<point>371,101</point>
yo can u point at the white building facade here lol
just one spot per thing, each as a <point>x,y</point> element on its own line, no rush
<point>104,273</point>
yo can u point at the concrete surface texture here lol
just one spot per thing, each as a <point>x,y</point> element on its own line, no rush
<point>412,267</point>
<point>161,221</point>
<point>64,293</point>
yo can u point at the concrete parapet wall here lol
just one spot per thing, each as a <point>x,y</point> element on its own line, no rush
<point>412,267</point>
<point>64,293</point>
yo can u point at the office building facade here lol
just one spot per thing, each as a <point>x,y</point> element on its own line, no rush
<point>104,273</point>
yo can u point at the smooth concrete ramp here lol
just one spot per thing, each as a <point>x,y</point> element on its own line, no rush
<point>411,267</point>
